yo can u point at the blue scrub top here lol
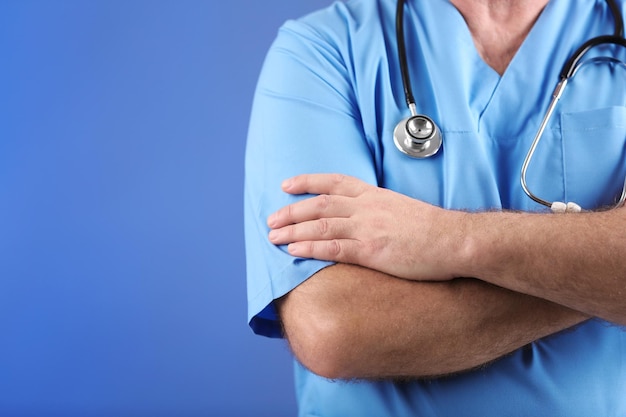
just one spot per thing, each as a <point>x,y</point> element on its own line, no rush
<point>328,99</point>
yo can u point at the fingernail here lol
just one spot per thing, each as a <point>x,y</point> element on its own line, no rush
<point>287,184</point>
<point>294,249</point>
<point>273,235</point>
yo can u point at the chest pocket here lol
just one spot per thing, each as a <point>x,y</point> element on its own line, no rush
<point>594,155</point>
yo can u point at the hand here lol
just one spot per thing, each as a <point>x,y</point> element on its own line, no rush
<point>350,221</point>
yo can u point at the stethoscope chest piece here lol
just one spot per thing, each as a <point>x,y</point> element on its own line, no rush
<point>417,136</point>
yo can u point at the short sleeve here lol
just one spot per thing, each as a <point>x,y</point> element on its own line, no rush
<point>305,119</point>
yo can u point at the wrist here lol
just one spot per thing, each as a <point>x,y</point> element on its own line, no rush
<point>463,246</point>
<point>479,245</point>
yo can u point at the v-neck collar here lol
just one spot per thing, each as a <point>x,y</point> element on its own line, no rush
<point>468,35</point>
<point>470,82</point>
<point>527,66</point>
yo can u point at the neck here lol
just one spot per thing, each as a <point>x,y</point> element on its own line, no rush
<point>499,27</point>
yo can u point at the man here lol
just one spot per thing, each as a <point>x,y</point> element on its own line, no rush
<point>436,287</point>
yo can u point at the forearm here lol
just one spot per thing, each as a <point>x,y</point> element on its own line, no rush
<point>351,322</point>
<point>577,260</point>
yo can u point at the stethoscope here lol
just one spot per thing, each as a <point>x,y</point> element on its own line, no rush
<point>418,136</point>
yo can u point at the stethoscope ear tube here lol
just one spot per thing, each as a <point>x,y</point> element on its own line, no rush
<point>572,63</point>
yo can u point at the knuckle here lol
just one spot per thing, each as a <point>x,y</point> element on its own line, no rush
<point>323,202</point>
<point>288,212</point>
<point>338,178</point>
<point>323,227</point>
<point>335,249</point>
<point>373,247</point>
<point>311,248</point>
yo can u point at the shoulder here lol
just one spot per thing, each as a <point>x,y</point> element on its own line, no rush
<point>335,44</point>
<point>343,23</point>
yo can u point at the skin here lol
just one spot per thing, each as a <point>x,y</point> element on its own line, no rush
<point>584,271</point>
<point>379,313</point>
<point>499,27</point>
<point>395,305</point>
<point>349,322</point>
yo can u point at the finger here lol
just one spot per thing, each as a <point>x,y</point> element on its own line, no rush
<point>321,206</point>
<point>334,184</point>
<point>321,229</point>
<point>338,250</point>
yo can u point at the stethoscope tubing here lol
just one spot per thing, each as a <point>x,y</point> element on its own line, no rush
<point>569,70</point>
<point>558,92</point>
<point>416,136</point>
<point>405,144</point>
<point>402,57</point>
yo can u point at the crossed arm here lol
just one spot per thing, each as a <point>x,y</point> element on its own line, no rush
<point>394,305</point>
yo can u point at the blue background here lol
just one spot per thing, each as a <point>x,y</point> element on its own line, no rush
<point>122,276</point>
